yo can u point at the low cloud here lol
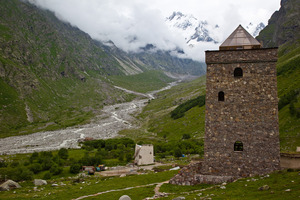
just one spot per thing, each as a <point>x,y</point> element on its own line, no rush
<point>133,24</point>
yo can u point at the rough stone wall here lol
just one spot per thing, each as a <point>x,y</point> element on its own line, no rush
<point>186,175</point>
<point>192,175</point>
<point>248,114</point>
<point>144,154</point>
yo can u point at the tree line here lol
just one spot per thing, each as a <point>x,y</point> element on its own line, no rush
<point>49,164</point>
<point>179,111</point>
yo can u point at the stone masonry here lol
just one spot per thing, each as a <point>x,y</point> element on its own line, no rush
<point>241,121</point>
<point>248,114</point>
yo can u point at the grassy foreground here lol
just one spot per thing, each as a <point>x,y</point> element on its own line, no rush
<point>278,185</point>
<point>68,188</point>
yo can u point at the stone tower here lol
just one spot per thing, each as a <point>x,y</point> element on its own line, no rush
<point>241,119</point>
<point>241,122</point>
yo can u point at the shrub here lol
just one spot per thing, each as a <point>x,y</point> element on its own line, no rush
<point>23,174</point>
<point>26,163</point>
<point>14,164</point>
<point>34,156</point>
<point>47,176</point>
<point>63,153</point>
<point>35,167</point>
<point>177,152</point>
<point>46,154</point>
<point>55,169</point>
<point>75,168</point>
<point>121,157</point>
<point>186,136</point>
<point>129,157</point>
<point>88,160</point>
<point>47,164</point>
<point>161,155</point>
<point>3,164</point>
<point>7,173</point>
<point>45,159</point>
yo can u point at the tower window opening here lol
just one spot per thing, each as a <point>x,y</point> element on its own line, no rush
<point>221,96</point>
<point>238,72</point>
<point>238,146</point>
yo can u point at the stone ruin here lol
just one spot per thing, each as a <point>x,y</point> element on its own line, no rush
<point>241,118</point>
<point>144,154</point>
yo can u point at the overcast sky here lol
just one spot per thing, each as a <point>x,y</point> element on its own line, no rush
<point>131,24</point>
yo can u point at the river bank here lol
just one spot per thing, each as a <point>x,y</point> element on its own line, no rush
<point>113,118</point>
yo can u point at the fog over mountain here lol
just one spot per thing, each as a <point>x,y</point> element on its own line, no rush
<point>133,24</point>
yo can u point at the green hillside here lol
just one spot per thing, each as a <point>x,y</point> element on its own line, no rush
<point>144,82</point>
<point>159,125</point>
<point>50,72</point>
<point>288,71</point>
<point>156,122</point>
<point>53,75</point>
<point>283,30</point>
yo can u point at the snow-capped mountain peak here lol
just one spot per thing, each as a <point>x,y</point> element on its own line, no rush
<point>255,29</point>
<point>192,29</point>
<point>181,21</point>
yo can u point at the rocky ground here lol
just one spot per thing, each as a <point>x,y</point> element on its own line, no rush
<point>107,125</point>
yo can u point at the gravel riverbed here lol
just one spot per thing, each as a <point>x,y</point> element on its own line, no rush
<point>112,119</point>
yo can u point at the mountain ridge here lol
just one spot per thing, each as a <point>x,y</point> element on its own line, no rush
<point>283,26</point>
<point>53,75</point>
<point>157,118</point>
<point>194,30</point>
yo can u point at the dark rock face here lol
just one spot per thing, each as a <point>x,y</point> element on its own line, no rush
<point>283,26</point>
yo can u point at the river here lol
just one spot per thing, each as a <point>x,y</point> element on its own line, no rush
<point>112,119</point>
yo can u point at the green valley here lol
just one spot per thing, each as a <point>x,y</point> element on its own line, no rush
<point>53,75</point>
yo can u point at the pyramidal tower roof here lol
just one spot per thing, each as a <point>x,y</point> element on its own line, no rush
<point>240,39</point>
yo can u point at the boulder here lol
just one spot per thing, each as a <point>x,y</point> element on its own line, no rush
<point>125,197</point>
<point>8,185</point>
<point>263,188</point>
<point>39,182</point>
<point>179,198</point>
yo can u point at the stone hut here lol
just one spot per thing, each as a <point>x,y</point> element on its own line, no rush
<point>241,118</point>
<point>143,154</point>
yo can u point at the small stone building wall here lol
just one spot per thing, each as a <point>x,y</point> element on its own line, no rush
<point>144,154</point>
<point>290,161</point>
<point>246,115</point>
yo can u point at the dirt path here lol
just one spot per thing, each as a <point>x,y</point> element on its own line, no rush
<point>117,190</point>
<point>156,189</point>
